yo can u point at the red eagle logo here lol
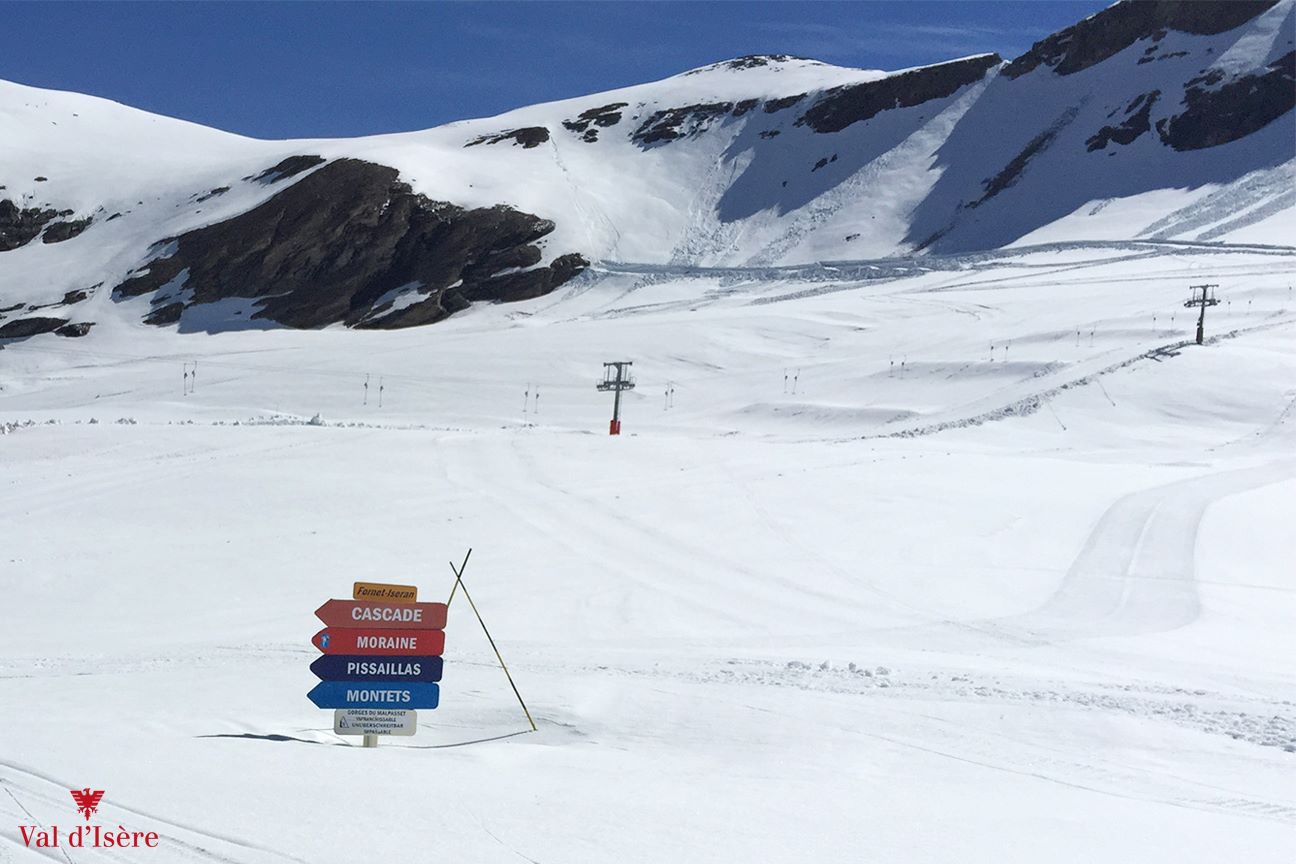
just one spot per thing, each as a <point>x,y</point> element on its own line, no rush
<point>87,801</point>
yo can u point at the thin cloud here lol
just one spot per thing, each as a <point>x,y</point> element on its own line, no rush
<point>893,39</point>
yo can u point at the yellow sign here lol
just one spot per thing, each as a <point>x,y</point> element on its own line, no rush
<point>384,592</point>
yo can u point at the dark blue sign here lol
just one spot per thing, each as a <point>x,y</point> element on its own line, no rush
<point>362,667</point>
<point>374,694</point>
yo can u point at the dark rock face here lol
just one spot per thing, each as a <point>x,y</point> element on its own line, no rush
<point>18,227</point>
<point>842,106</point>
<point>1134,124</point>
<point>588,122</point>
<point>332,246</point>
<point>775,105</point>
<point>23,328</point>
<point>207,196</point>
<point>673,123</point>
<point>1233,110</point>
<point>528,137</point>
<point>168,313</point>
<point>75,331</point>
<point>57,232</point>
<point>290,167</point>
<point>76,296</point>
<point>1008,176</point>
<point>1116,28</point>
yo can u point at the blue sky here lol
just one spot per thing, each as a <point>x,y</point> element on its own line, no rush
<point>278,70</point>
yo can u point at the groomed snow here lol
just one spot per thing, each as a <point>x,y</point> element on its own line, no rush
<point>1021,606</point>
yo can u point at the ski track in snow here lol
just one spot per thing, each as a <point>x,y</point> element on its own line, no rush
<point>1135,573</point>
<point>721,577</point>
<point>39,793</point>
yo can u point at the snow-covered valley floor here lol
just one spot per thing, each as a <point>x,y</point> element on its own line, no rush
<point>870,590</point>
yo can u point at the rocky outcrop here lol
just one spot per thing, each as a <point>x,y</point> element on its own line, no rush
<point>57,232</point>
<point>23,328</point>
<point>1136,122</point>
<point>290,167</point>
<point>528,137</point>
<point>1219,114</point>
<point>207,196</point>
<point>75,331</point>
<point>685,122</point>
<point>19,226</point>
<point>774,105</point>
<point>342,244</point>
<point>587,123</point>
<point>842,106</point>
<point>750,61</point>
<point>1008,176</point>
<point>1117,27</point>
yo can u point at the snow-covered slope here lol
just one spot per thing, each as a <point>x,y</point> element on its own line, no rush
<point>936,556</point>
<point>1165,121</point>
<point>972,559</point>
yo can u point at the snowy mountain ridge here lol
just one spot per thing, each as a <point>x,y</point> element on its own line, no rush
<point>1145,121</point>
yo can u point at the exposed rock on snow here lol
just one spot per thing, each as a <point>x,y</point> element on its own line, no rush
<point>57,232</point>
<point>1176,115</point>
<point>290,167</point>
<point>19,226</point>
<point>76,330</point>
<point>588,122</point>
<point>1135,123</point>
<point>750,61</point>
<point>1008,176</point>
<point>842,106</point>
<point>23,328</point>
<point>1117,27</point>
<point>685,122</point>
<point>528,137</point>
<point>1231,111</point>
<point>326,248</point>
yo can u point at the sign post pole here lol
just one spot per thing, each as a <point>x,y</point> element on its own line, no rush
<point>371,740</point>
<point>459,584</point>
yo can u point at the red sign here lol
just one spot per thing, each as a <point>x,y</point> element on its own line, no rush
<point>347,640</point>
<point>397,616</point>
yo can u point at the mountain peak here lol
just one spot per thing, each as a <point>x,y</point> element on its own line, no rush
<point>755,61</point>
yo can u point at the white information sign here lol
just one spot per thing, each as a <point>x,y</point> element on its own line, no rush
<point>374,721</point>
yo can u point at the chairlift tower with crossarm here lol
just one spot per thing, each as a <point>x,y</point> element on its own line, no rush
<point>616,377</point>
<point>1204,299</point>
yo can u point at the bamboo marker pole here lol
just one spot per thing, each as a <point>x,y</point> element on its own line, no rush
<point>459,584</point>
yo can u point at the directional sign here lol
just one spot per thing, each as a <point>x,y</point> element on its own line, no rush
<point>346,640</point>
<point>374,721</point>
<point>361,667</point>
<point>385,593</point>
<point>397,616</point>
<point>358,694</point>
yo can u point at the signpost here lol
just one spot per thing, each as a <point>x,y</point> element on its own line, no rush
<point>381,660</point>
